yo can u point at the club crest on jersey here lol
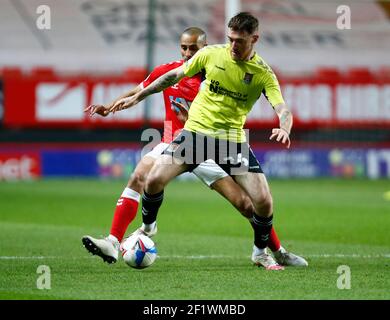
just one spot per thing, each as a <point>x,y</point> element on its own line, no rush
<point>248,78</point>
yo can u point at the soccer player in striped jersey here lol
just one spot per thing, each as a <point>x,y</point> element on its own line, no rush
<point>175,98</point>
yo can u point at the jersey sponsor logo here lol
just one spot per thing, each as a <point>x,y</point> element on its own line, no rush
<point>214,86</point>
<point>248,78</point>
<point>217,88</point>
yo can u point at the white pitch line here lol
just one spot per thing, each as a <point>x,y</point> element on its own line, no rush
<point>354,255</point>
<point>337,255</point>
<point>200,257</point>
<point>24,258</point>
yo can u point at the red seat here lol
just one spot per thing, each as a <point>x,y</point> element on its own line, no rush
<point>11,72</point>
<point>384,73</point>
<point>42,71</point>
<point>328,73</point>
<point>359,73</point>
<point>135,74</point>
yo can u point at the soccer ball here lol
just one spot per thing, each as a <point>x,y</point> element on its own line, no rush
<point>138,251</point>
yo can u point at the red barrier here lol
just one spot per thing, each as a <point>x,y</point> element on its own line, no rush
<point>330,98</point>
<point>20,165</point>
<point>327,98</point>
<point>44,99</point>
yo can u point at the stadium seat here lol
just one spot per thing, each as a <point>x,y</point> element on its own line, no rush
<point>359,74</point>
<point>11,72</point>
<point>383,73</point>
<point>44,72</point>
<point>328,74</point>
<point>135,73</point>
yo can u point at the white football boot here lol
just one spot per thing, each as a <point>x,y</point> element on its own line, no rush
<point>148,233</point>
<point>265,260</point>
<point>106,248</point>
<point>286,258</point>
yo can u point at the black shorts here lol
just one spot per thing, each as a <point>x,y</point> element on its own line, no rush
<point>194,148</point>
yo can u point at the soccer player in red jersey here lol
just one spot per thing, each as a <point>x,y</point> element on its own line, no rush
<point>176,100</point>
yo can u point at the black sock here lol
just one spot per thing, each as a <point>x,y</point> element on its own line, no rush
<point>262,228</point>
<point>150,205</point>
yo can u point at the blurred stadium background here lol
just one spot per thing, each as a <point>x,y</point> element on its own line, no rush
<point>337,83</point>
<point>328,185</point>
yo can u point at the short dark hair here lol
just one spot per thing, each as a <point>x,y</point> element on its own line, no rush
<point>195,31</point>
<point>244,21</point>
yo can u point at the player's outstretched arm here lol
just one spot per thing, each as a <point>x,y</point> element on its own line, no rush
<point>166,80</point>
<point>180,110</point>
<point>285,124</point>
<point>97,109</point>
<point>104,110</point>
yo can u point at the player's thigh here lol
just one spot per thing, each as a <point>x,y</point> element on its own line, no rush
<point>256,186</point>
<point>230,190</point>
<point>209,172</point>
<point>164,170</point>
<point>216,178</point>
<point>141,171</point>
<point>138,177</point>
<point>149,159</point>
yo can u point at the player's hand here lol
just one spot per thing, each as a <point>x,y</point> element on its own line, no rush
<point>98,109</point>
<point>180,110</point>
<point>124,103</point>
<point>281,135</point>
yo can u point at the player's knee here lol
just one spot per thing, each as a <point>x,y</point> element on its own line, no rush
<point>248,209</point>
<point>154,183</point>
<point>137,181</point>
<point>244,205</point>
<point>263,201</point>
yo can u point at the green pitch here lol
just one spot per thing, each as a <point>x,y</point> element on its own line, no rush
<point>204,245</point>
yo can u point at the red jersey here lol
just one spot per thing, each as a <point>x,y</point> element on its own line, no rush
<point>184,92</point>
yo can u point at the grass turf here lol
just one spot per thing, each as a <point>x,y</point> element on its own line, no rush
<point>204,245</point>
